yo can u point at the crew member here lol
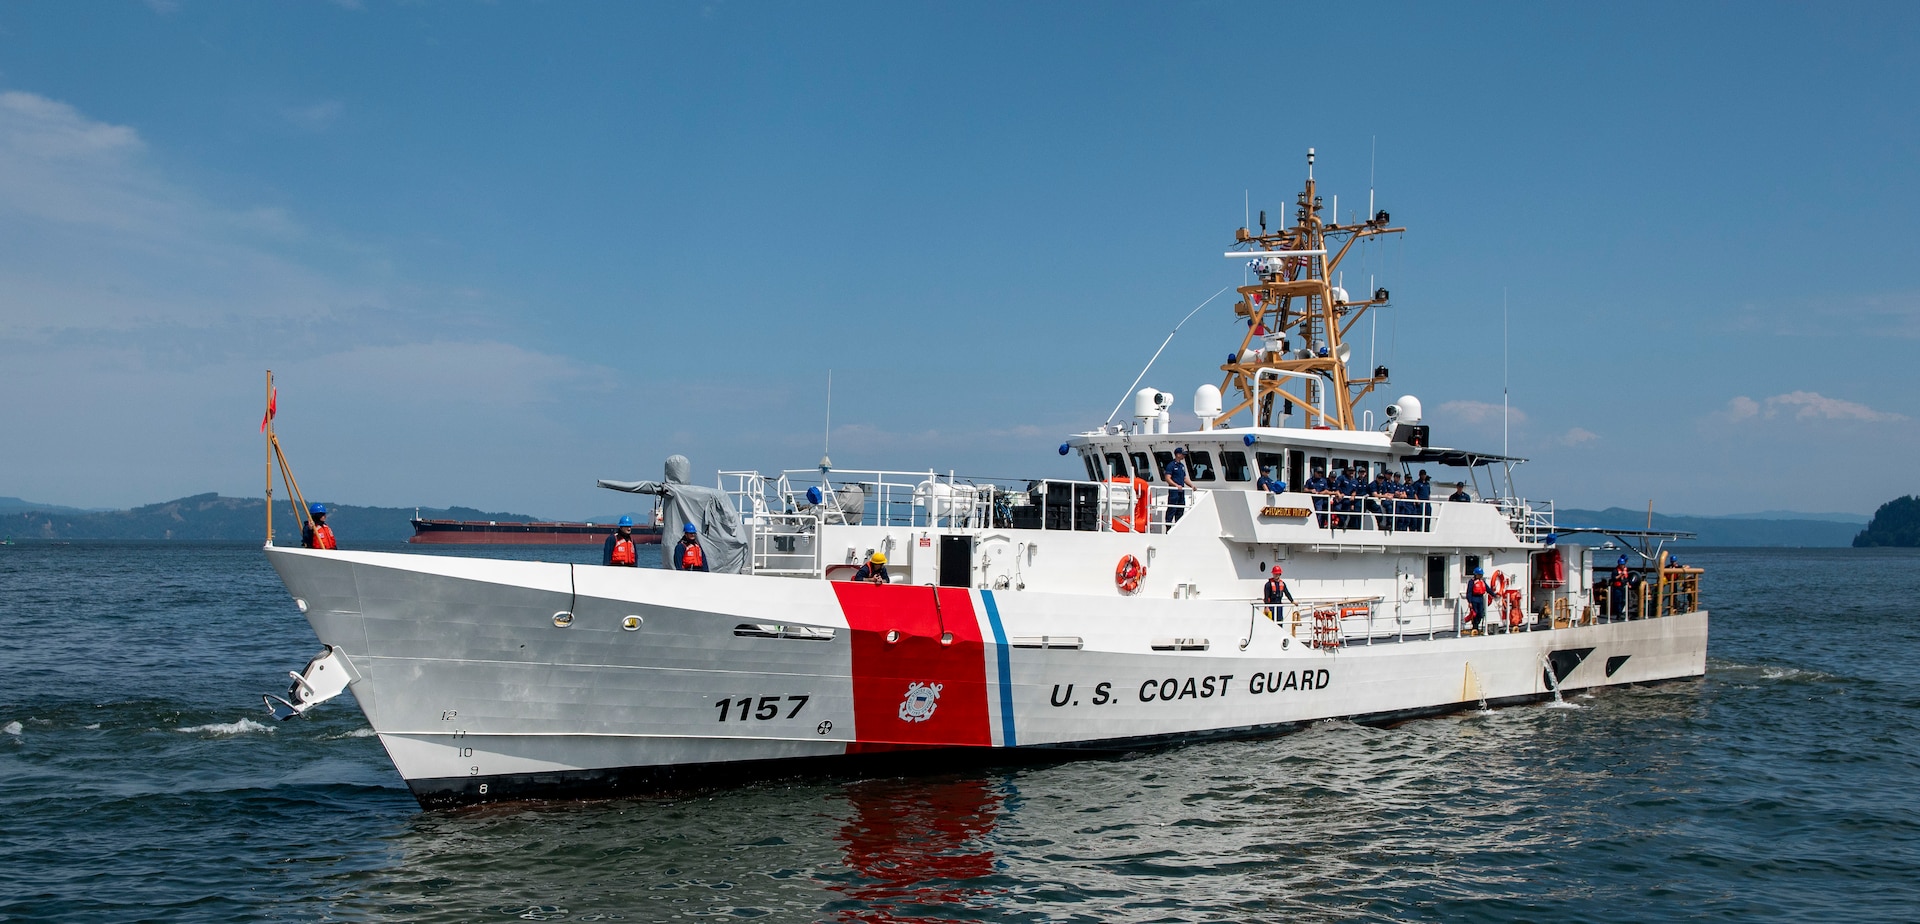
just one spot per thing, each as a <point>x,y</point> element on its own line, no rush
<point>687,555</point>
<point>1177,476</point>
<point>874,571</point>
<point>1274,594</point>
<point>619,547</point>
<point>1459,492</point>
<point>1319,488</point>
<point>317,534</point>
<point>1617,592</point>
<point>1477,593</point>
<point>1270,481</point>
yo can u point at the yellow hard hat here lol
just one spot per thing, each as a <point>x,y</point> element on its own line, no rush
<point>879,558</point>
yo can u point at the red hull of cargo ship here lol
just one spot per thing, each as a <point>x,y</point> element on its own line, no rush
<point>480,532</point>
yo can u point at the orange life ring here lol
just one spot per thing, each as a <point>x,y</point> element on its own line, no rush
<point>1128,573</point>
<point>1498,582</point>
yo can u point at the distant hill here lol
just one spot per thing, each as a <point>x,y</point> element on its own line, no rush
<point>1896,523</point>
<point>1785,533</point>
<point>1857,519</point>
<point>210,516</point>
<point>15,504</point>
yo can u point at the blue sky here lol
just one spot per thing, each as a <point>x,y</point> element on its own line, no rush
<point>495,252</point>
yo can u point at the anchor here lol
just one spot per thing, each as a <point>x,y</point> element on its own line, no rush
<point>324,677</point>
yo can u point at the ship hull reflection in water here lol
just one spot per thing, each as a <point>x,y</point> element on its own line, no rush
<point>916,849</point>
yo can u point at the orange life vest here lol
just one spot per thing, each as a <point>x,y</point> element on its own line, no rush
<point>623,552</point>
<point>1478,588</point>
<point>323,537</point>
<point>691,558</point>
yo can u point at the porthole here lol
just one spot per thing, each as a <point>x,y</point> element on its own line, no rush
<point>893,635</point>
<point>562,619</point>
<point>630,623</point>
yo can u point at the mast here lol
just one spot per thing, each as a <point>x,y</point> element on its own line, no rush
<point>1298,319</point>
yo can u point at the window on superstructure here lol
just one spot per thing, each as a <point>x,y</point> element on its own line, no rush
<point>1093,466</point>
<point>1162,458</point>
<point>1142,469</point>
<point>1200,465</point>
<point>1339,465</point>
<point>1271,463</point>
<point>1233,465</point>
<point>1116,465</point>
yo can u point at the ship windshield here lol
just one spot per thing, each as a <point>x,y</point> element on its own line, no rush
<point>1142,469</point>
<point>1200,465</point>
<point>1233,464</point>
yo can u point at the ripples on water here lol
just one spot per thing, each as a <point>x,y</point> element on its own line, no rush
<point>139,780</point>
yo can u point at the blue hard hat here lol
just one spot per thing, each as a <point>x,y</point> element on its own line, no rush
<point>318,510</point>
<point>1479,571</point>
<point>689,528</point>
<point>626,521</point>
<point>1623,559</point>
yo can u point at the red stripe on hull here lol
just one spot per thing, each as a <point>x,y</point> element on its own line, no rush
<point>895,700</point>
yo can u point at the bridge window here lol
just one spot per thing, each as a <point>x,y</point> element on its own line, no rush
<point>1142,469</point>
<point>1270,465</point>
<point>1116,465</point>
<point>1093,466</point>
<point>1163,458</point>
<point>1200,465</point>
<point>1233,464</point>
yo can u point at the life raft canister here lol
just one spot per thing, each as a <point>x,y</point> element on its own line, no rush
<point>1128,573</point>
<point>623,552</point>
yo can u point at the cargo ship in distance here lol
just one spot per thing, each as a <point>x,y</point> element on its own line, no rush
<point>492,532</point>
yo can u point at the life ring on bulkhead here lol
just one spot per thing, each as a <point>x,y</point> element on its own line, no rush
<point>1498,582</point>
<point>1128,573</point>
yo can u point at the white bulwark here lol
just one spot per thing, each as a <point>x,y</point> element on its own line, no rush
<point>1124,608</point>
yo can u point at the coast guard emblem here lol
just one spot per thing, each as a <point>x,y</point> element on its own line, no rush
<point>922,699</point>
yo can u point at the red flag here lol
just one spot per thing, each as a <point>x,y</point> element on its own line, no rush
<point>273,405</point>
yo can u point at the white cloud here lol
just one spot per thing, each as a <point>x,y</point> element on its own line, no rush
<point>1481,412</point>
<point>1577,436</point>
<point>1804,405</point>
<point>1742,407</point>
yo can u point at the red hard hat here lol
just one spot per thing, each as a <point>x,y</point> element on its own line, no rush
<point>1276,569</point>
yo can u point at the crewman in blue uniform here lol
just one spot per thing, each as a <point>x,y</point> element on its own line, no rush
<point>874,570</point>
<point>619,549</point>
<point>688,555</point>
<point>1477,593</point>
<point>1177,477</point>
<point>1274,594</point>
<point>1617,589</point>
<point>1270,481</point>
<point>1319,488</point>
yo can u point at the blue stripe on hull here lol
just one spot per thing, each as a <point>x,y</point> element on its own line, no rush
<point>1006,676</point>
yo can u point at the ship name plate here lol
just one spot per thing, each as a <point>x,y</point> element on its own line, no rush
<point>1285,512</point>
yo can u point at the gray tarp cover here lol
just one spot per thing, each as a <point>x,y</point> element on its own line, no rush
<point>722,536</point>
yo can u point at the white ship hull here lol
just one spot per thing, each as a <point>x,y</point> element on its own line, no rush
<point>478,693</point>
